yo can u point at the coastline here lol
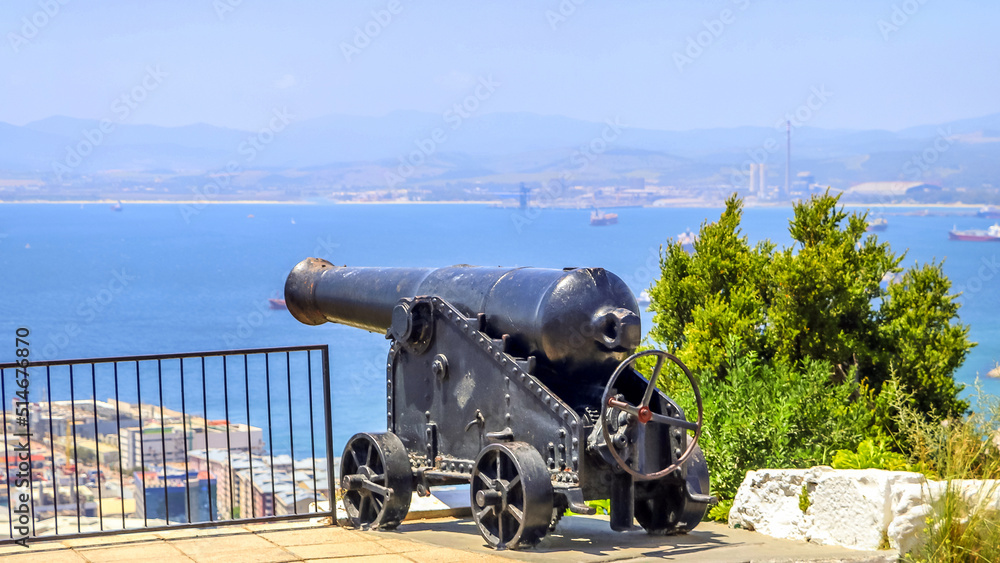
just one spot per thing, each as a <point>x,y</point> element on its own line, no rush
<point>152,201</point>
<point>687,203</point>
<point>231,202</point>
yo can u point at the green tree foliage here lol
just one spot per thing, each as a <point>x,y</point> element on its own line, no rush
<point>821,300</point>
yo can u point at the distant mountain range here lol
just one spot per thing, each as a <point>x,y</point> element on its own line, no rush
<point>408,148</point>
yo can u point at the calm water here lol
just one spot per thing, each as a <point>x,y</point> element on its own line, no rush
<point>90,282</point>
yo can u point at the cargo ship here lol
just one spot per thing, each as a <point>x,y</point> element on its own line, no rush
<point>598,219</point>
<point>989,235</point>
<point>989,212</point>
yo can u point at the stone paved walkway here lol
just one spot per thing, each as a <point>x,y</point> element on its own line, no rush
<point>432,541</point>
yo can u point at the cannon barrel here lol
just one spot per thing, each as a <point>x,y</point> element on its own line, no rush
<point>572,320</point>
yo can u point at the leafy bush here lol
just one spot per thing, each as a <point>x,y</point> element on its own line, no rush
<point>720,512</point>
<point>776,416</point>
<point>804,351</point>
<point>870,455</point>
<point>821,299</point>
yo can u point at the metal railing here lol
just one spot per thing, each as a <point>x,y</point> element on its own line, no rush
<point>182,440</point>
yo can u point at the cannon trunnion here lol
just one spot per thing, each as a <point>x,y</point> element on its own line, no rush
<point>519,382</point>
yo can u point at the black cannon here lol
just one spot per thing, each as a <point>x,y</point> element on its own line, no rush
<point>520,382</point>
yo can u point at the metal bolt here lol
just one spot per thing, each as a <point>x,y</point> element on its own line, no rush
<point>439,367</point>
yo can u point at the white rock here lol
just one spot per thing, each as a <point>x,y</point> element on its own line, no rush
<point>864,509</point>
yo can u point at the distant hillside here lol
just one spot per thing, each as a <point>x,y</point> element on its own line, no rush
<point>497,147</point>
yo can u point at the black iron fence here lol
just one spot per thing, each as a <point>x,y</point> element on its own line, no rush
<point>105,445</point>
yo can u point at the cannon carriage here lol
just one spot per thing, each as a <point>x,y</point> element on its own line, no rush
<point>521,382</point>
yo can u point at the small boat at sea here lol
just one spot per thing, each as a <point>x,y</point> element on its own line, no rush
<point>117,206</point>
<point>991,234</point>
<point>278,304</point>
<point>877,225</point>
<point>598,219</point>
<point>989,212</point>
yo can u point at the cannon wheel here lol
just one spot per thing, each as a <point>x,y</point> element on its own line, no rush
<point>662,508</point>
<point>376,480</point>
<point>642,414</point>
<point>511,495</point>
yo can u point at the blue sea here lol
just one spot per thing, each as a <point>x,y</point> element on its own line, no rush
<point>156,279</point>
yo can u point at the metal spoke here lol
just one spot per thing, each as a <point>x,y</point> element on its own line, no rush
<point>384,491</point>
<point>486,510</point>
<point>486,480</point>
<point>648,395</point>
<point>671,421</point>
<point>513,482</point>
<point>516,513</point>
<point>622,405</point>
<point>354,456</point>
<point>500,528</point>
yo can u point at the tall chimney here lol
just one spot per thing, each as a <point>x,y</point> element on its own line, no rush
<point>788,158</point>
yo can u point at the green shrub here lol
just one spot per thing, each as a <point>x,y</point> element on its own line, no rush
<point>804,502</point>
<point>960,527</point>
<point>803,352</point>
<point>720,512</point>
<point>777,416</point>
<point>870,455</point>
<point>820,299</point>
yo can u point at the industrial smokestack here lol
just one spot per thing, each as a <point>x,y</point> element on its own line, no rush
<point>788,158</point>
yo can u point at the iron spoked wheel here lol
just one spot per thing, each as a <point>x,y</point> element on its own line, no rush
<point>511,495</point>
<point>376,480</point>
<point>640,414</point>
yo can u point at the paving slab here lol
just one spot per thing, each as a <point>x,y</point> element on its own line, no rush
<point>584,539</point>
<point>443,540</point>
<point>142,551</point>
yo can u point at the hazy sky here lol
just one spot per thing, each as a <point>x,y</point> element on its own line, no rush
<point>658,64</point>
